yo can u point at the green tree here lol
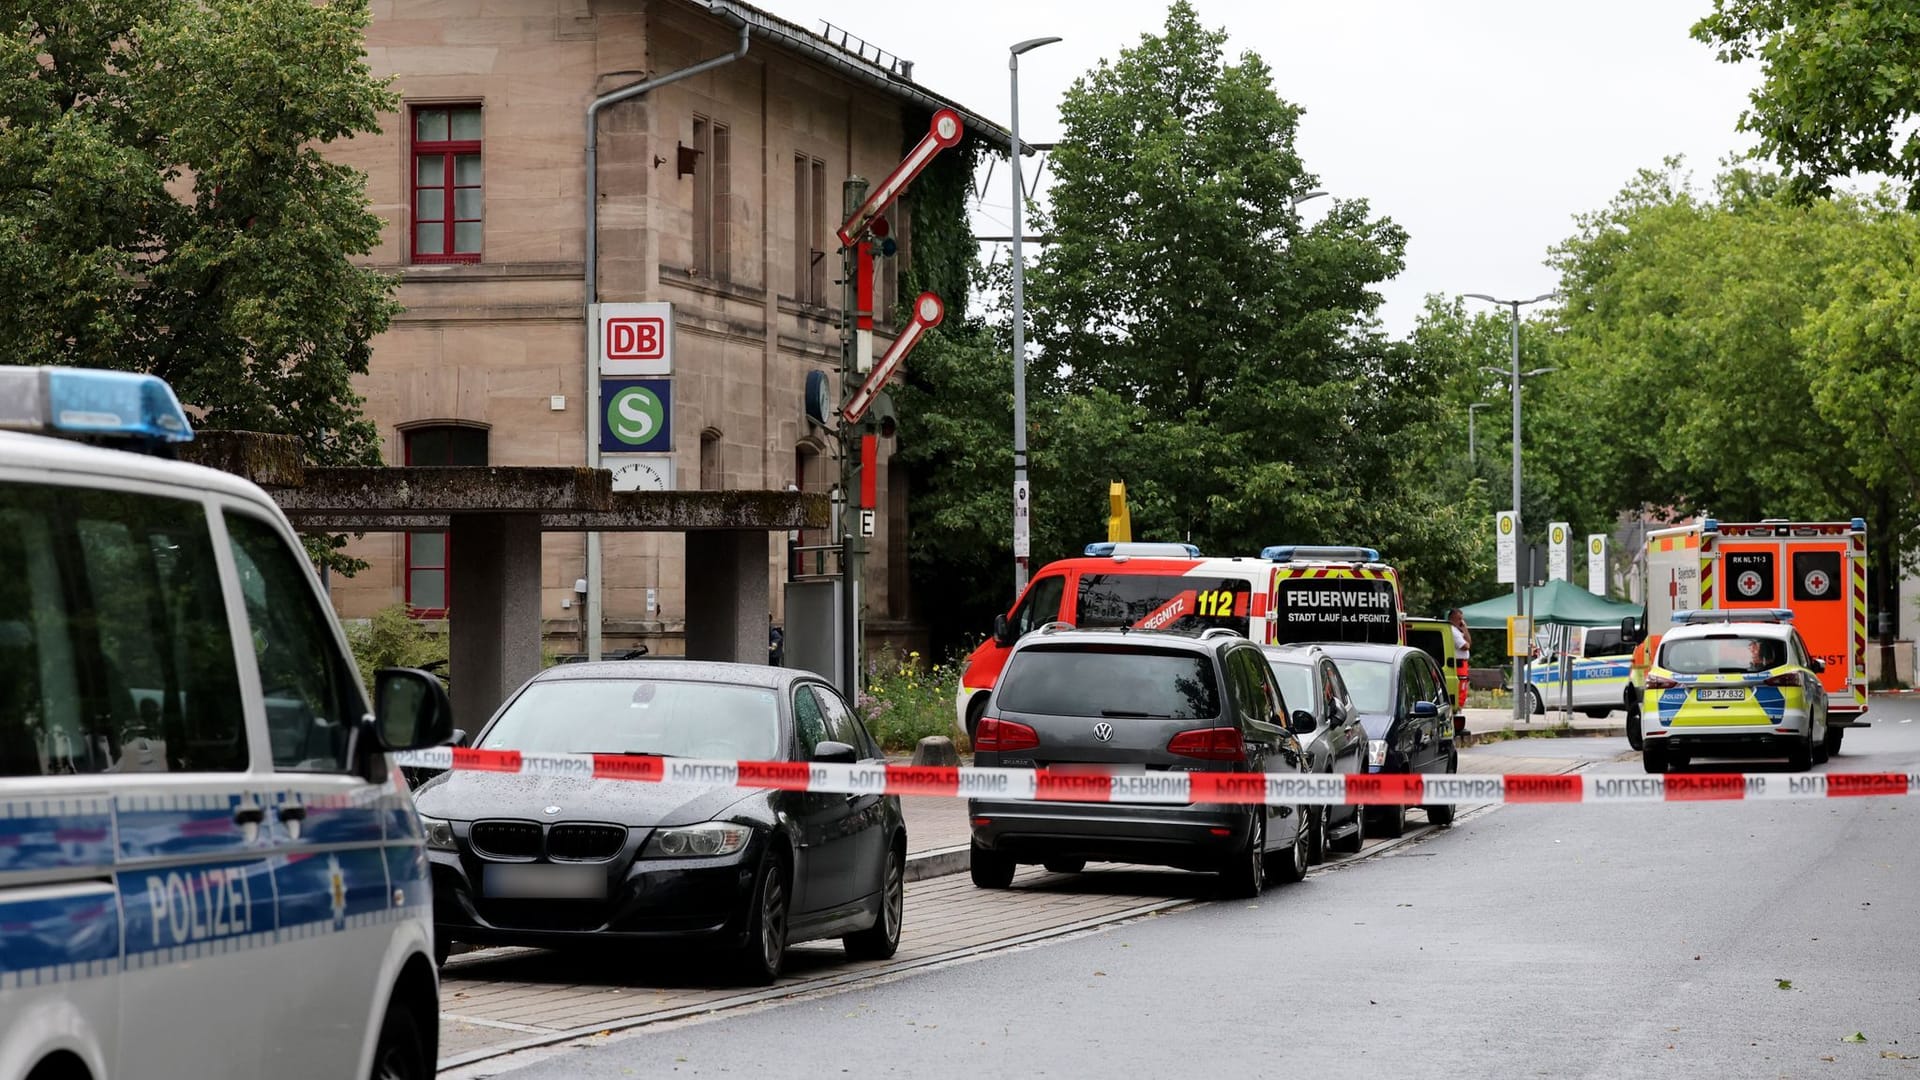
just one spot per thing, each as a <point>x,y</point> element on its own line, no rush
<point>1841,84</point>
<point>165,205</point>
<point>1713,360</point>
<point>1205,345</point>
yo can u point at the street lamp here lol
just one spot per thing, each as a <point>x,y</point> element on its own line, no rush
<point>1021,501</point>
<point>1519,586</point>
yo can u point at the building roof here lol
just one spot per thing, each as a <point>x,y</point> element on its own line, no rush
<point>880,70</point>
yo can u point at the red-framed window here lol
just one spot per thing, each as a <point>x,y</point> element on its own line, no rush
<point>447,190</point>
<point>429,558</point>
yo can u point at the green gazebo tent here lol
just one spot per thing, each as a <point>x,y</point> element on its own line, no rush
<point>1555,602</point>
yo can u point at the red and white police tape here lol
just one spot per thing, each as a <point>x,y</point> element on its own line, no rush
<point>1178,788</point>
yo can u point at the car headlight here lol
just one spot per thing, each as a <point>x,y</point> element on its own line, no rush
<point>1376,752</point>
<point>439,833</point>
<point>699,841</point>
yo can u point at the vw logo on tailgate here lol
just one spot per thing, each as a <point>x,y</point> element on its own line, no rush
<point>1103,731</point>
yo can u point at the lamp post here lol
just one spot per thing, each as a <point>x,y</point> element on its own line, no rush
<point>1519,531</point>
<point>1021,500</point>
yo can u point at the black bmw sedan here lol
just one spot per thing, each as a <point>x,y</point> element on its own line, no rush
<point>550,861</point>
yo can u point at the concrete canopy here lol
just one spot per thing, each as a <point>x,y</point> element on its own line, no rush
<point>494,517</point>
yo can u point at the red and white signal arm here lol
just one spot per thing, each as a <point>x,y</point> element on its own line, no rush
<point>943,132</point>
<point>633,339</point>
<point>927,313</point>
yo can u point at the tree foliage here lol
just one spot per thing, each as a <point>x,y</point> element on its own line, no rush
<point>1841,84</point>
<point>1680,330</point>
<point>165,205</point>
<point>1233,347</point>
<point>1734,353</point>
<point>1195,339</point>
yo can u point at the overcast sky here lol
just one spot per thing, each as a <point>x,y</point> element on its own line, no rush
<point>1481,126</point>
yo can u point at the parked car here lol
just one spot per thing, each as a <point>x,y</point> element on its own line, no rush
<point>557,861</point>
<point>1409,720</point>
<point>1138,702</point>
<point>1328,727</point>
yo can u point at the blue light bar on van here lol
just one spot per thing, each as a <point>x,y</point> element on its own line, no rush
<point>87,401</point>
<point>1106,548</point>
<point>1731,615</point>
<point>1303,552</point>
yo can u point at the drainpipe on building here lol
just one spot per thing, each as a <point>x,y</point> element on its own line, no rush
<point>593,608</point>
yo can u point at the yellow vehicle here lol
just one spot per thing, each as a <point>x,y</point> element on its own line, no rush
<point>1435,638</point>
<point>1734,684</point>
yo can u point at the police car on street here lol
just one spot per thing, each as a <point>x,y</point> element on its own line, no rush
<point>206,866</point>
<point>1736,683</point>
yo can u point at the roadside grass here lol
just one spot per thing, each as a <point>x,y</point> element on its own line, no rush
<point>1489,699</point>
<point>908,699</point>
<point>1558,730</point>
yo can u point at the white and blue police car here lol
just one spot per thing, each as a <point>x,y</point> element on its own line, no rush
<point>206,866</point>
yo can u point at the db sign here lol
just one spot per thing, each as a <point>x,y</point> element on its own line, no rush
<point>634,339</point>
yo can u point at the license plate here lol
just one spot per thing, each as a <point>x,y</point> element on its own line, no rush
<point>1075,768</point>
<point>1734,693</point>
<point>538,881</point>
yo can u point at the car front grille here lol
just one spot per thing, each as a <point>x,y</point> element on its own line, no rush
<point>585,843</point>
<point>506,839</point>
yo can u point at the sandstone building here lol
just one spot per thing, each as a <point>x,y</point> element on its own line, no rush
<point>718,193</point>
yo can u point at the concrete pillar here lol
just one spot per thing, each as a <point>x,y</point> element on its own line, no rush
<point>727,601</point>
<point>493,611</point>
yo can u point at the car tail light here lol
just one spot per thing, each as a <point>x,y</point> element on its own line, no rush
<point>999,736</point>
<point>1660,682</point>
<point>1209,744</point>
<point>1791,678</point>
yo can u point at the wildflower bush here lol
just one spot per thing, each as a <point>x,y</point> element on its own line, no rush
<point>908,699</point>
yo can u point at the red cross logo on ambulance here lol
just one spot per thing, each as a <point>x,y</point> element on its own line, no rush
<point>1818,582</point>
<point>1749,583</point>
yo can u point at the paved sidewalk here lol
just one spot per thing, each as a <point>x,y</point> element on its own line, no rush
<point>498,999</point>
<point>1494,721</point>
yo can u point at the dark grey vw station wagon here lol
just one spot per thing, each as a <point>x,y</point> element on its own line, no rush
<point>1118,702</point>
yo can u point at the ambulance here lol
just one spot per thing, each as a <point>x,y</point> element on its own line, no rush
<point>1288,594</point>
<point>1815,569</point>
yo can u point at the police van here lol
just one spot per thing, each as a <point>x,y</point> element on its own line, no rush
<point>1582,668</point>
<point>206,866</point>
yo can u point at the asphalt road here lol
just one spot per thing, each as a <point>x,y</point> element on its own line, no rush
<point>1697,940</point>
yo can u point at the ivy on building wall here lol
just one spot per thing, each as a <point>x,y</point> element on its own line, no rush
<point>956,411</point>
<point>942,250</point>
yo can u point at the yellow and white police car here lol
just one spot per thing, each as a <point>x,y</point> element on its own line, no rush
<point>206,868</point>
<point>1733,684</point>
